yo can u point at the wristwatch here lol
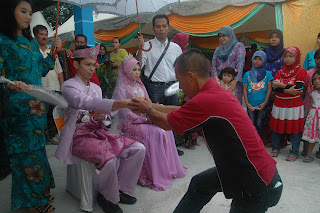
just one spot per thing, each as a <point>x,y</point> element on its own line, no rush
<point>148,112</point>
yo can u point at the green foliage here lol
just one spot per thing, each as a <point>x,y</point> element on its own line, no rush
<point>107,80</point>
<point>50,14</point>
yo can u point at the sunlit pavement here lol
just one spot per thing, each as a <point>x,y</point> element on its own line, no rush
<point>300,194</point>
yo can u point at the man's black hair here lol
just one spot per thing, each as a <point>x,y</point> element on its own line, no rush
<point>193,60</point>
<point>37,28</point>
<point>159,17</point>
<point>118,39</point>
<point>254,47</point>
<point>81,35</point>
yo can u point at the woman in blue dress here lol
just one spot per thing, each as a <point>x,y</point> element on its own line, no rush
<point>309,61</point>
<point>23,118</point>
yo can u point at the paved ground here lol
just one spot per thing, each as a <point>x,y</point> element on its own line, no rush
<point>300,194</point>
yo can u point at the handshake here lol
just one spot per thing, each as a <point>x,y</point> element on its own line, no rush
<point>138,104</point>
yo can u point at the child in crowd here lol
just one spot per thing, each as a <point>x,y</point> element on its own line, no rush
<point>287,111</point>
<point>227,75</point>
<point>311,132</point>
<point>188,139</point>
<point>161,163</point>
<point>308,88</point>
<point>257,88</point>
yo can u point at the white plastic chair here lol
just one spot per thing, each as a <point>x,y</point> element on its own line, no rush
<point>81,176</point>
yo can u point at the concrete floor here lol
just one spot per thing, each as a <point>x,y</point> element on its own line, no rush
<point>300,194</point>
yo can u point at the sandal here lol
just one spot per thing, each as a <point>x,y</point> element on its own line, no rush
<point>308,158</point>
<point>274,153</point>
<point>190,147</point>
<point>291,158</point>
<point>318,154</point>
<point>50,199</point>
<point>42,209</point>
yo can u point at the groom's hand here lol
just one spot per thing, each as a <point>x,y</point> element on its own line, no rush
<point>139,104</point>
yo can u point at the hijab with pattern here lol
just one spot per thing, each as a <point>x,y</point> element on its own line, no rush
<point>291,70</point>
<point>224,50</point>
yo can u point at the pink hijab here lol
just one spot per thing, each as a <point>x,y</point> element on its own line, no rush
<point>182,40</point>
<point>127,88</point>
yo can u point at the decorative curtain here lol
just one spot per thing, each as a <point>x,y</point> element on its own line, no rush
<point>211,43</point>
<point>279,16</point>
<point>301,24</point>
<point>125,34</point>
<point>209,24</point>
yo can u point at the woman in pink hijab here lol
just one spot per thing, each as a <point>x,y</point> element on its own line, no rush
<point>161,162</point>
<point>182,40</point>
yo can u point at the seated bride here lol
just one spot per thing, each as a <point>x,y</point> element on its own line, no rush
<point>161,162</point>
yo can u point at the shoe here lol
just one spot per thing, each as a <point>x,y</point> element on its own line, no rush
<point>126,199</point>
<point>180,152</point>
<point>47,208</point>
<point>53,141</point>
<point>308,158</point>
<point>4,173</point>
<point>107,206</point>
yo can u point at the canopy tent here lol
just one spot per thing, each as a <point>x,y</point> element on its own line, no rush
<point>66,30</point>
<point>262,20</point>
<point>38,19</point>
<point>187,8</point>
<point>252,19</point>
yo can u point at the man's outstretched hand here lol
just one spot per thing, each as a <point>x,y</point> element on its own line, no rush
<point>139,104</point>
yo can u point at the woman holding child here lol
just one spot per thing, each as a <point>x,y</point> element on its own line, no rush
<point>230,53</point>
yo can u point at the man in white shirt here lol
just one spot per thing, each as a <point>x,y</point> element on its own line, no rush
<point>52,81</point>
<point>164,76</point>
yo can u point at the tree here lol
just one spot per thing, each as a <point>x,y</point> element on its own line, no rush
<point>50,14</point>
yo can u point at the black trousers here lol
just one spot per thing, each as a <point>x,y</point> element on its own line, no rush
<point>51,126</point>
<point>206,184</point>
<point>4,157</point>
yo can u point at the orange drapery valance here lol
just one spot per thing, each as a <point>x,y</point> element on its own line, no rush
<point>210,22</point>
<point>108,35</point>
<point>213,41</point>
<point>262,36</point>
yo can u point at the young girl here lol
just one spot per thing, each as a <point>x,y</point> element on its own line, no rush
<point>311,128</point>
<point>161,162</point>
<point>257,87</point>
<point>287,111</point>
<point>227,75</point>
<point>308,88</point>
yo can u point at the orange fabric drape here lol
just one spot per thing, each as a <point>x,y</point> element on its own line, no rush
<point>213,41</point>
<point>132,50</point>
<point>295,10</point>
<point>108,35</point>
<point>207,42</point>
<point>212,21</point>
<point>261,36</point>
